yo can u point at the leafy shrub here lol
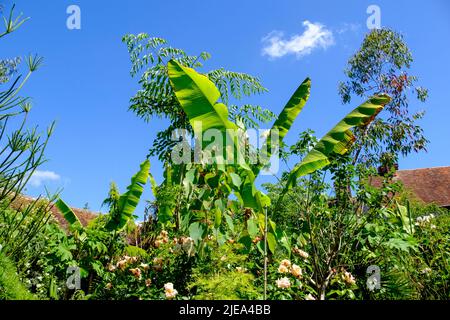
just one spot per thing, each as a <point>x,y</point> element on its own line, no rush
<point>228,285</point>
<point>11,288</point>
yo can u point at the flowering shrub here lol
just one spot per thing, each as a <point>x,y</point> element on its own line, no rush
<point>291,279</point>
<point>154,275</point>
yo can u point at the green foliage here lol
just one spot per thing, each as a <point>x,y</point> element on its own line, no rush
<point>21,153</point>
<point>68,214</point>
<point>230,285</point>
<point>382,65</point>
<point>339,139</point>
<point>122,208</point>
<point>134,251</point>
<point>198,97</point>
<point>204,235</point>
<point>19,227</point>
<point>224,275</point>
<point>11,288</point>
<point>22,150</point>
<point>149,57</point>
<point>128,201</point>
<point>46,258</point>
<point>112,201</point>
<point>287,116</point>
<point>415,264</point>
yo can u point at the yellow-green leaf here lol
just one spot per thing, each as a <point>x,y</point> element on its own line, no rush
<point>339,139</point>
<point>67,213</point>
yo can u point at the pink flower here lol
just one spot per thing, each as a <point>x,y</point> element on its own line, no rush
<point>136,273</point>
<point>283,283</point>
<point>169,291</point>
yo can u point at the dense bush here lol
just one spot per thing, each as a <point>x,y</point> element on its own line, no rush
<point>11,288</point>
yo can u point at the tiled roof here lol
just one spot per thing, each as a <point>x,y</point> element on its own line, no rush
<point>85,216</point>
<point>431,185</point>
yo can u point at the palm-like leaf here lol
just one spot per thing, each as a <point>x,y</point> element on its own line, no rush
<point>67,213</point>
<point>198,97</point>
<point>339,139</point>
<point>286,117</point>
<point>250,195</point>
<point>130,199</point>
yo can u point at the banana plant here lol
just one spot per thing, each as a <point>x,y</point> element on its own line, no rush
<point>198,97</point>
<point>127,202</point>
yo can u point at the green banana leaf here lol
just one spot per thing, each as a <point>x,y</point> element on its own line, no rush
<point>286,117</point>
<point>251,197</point>
<point>198,97</point>
<point>339,139</point>
<point>67,213</point>
<point>153,184</point>
<point>129,200</point>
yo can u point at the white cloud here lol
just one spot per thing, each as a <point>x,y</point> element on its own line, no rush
<point>39,177</point>
<point>315,35</point>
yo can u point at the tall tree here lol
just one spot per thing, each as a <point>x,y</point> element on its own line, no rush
<point>149,57</point>
<point>382,65</point>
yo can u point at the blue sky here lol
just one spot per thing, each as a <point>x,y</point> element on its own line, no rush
<point>85,83</point>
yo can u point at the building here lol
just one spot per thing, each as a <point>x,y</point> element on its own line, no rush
<point>85,216</point>
<point>430,185</point>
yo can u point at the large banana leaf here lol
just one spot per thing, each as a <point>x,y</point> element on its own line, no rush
<point>198,97</point>
<point>286,118</point>
<point>67,213</point>
<point>339,139</point>
<point>129,200</point>
<point>249,194</point>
